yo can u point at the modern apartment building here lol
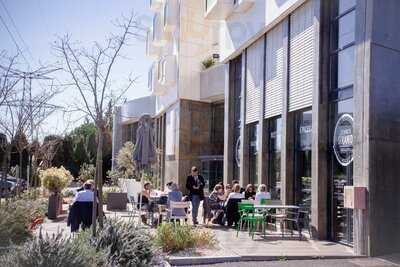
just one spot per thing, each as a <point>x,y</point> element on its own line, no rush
<point>189,113</point>
<point>312,110</point>
<point>304,97</point>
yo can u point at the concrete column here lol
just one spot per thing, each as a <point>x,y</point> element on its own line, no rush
<point>376,126</point>
<point>228,125</point>
<point>263,136</point>
<point>244,130</point>
<point>320,121</point>
<point>287,147</point>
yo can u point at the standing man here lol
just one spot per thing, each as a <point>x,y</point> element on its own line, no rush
<point>195,185</point>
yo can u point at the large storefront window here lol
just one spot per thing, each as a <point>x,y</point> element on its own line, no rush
<point>236,90</point>
<point>274,157</point>
<point>303,159</point>
<point>341,117</point>
<point>253,152</point>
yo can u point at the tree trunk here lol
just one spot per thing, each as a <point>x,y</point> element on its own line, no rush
<point>5,162</point>
<point>98,183</point>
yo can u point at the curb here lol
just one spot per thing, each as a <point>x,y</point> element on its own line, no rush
<point>181,261</point>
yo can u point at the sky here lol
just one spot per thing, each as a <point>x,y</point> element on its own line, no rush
<point>36,24</point>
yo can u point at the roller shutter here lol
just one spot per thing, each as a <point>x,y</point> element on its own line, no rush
<point>254,80</point>
<point>274,84</point>
<point>301,54</point>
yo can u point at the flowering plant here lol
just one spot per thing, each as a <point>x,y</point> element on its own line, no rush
<point>55,179</point>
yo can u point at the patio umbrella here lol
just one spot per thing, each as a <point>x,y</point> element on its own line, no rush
<point>144,152</point>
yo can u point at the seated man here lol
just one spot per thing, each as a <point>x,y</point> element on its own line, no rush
<point>82,208</point>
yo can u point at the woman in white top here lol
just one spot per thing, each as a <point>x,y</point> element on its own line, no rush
<point>262,194</point>
<point>235,193</point>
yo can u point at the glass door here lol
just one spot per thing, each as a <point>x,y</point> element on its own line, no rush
<point>212,170</point>
<point>342,218</point>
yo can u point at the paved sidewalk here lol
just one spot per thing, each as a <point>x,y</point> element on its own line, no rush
<point>269,248</point>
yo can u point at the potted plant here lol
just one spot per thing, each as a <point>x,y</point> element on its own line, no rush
<point>116,200</point>
<point>55,180</point>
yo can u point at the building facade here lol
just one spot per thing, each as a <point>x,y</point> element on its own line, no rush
<point>189,116</point>
<point>302,96</point>
<point>310,110</point>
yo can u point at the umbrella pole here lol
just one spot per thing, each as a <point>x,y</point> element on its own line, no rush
<point>140,198</point>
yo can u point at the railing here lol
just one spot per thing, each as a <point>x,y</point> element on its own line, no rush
<point>210,3</point>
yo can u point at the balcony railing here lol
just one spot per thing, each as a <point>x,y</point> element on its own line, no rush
<point>212,82</point>
<point>209,4</point>
<point>156,5</point>
<point>221,9</point>
<point>218,9</point>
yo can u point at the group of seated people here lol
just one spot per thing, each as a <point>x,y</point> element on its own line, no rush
<point>171,193</point>
<point>222,202</point>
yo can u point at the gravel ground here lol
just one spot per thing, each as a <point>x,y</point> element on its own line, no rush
<point>369,262</point>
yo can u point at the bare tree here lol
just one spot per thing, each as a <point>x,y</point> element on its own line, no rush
<point>22,113</point>
<point>7,80</point>
<point>90,71</point>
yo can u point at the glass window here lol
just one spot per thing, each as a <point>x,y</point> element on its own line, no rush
<point>303,160</point>
<point>346,29</point>
<point>345,5</point>
<point>345,67</point>
<point>274,157</point>
<point>253,152</point>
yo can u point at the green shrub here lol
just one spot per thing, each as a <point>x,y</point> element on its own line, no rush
<point>46,251</point>
<point>174,238</point>
<point>68,192</point>
<point>87,172</point>
<point>55,179</point>
<point>87,245</point>
<point>207,63</point>
<point>16,218</point>
<point>126,166</point>
<point>125,244</point>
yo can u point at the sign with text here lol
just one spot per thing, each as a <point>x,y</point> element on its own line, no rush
<point>343,140</point>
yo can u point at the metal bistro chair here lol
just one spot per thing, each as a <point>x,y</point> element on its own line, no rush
<point>177,207</point>
<point>292,217</point>
<point>249,215</point>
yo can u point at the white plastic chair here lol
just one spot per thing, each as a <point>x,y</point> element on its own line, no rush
<point>133,189</point>
<point>178,205</point>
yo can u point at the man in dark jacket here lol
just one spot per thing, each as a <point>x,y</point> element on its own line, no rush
<point>195,185</point>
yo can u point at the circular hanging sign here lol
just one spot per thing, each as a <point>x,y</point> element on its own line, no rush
<point>343,140</point>
<point>237,148</point>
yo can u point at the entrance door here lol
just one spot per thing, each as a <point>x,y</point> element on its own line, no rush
<point>212,169</point>
<point>341,154</point>
<point>342,218</point>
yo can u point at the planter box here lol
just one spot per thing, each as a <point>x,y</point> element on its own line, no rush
<point>55,206</point>
<point>116,201</point>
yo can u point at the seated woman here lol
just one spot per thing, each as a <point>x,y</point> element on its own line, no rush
<point>232,213</point>
<point>217,198</point>
<point>146,204</point>
<point>227,191</point>
<point>262,193</point>
<point>215,205</point>
<point>249,193</point>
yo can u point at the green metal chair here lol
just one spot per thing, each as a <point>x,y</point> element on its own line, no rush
<point>249,215</point>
